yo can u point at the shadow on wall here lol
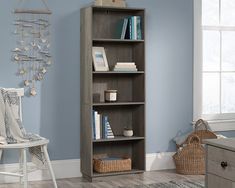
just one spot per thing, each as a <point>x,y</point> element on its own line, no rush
<point>60,94</point>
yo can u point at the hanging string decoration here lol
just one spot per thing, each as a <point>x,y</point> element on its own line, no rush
<point>32,52</point>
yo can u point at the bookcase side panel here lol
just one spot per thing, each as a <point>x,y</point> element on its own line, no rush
<point>86,92</point>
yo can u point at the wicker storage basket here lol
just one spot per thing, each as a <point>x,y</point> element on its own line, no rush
<point>202,134</point>
<point>104,166</point>
<point>190,160</point>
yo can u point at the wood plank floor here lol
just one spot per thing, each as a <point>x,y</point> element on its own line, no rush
<point>114,181</point>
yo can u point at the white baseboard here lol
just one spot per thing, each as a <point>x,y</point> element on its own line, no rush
<point>62,169</point>
<point>159,161</point>
<point>71,168</point>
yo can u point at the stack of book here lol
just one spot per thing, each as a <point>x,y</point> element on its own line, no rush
<point>101,127</point>
<point>130,28</point>
<point>125,66</point>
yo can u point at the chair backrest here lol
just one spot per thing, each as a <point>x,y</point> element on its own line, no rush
<point>20,92</point>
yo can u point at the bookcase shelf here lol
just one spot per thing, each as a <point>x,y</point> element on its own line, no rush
<point>118,103</point>
<point>98,28</point>
<point>120,138</point>
<point>117,40</point>
<point>133,171</point>
<point>119,72</point>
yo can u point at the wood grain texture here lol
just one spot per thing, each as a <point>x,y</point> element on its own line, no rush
<point>220,151</point>
<point>226,143</point>
<point>98,28</point>
<point>116,181</point>
<point>217,182</point>
<point>86,92</point>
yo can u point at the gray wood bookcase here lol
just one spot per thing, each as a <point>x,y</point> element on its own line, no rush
<point>98,27</point>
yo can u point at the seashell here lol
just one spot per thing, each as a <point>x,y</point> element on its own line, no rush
<point>43,70</point>
<point>17,50</point>
<point>16,58</point>
<point>33,92</point>
<point>26,48</point>
<point>33,44</point>
<point>43,40</point>
<point>39,77</point>
<point>22,72</point>
<point>26,83</point>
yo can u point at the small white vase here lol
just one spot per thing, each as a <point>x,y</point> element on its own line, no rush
<point>128,133</point>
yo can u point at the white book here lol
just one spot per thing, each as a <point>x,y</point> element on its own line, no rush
<point>135,28</point>
<point>97,126</point>
<point>125,63</point>
<point>125,66</point>
<point>125,69</point>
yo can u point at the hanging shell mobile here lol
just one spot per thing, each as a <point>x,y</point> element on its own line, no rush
<point>32,52</point>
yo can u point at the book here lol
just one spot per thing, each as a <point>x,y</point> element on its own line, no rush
<point>124,28</point>
<point>105,121</point>
<point>130,28</point>
<point>139,32</point>
<point>97,126</point>
<point>125,66</point>
<point>93,124</point>
<point>125,69</point>
<point>134,27</point>
<point>125,63</point>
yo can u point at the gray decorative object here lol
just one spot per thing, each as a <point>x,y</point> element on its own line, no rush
<point>32,52</point>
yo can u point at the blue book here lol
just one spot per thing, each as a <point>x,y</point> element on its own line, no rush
<point>139,32</point>
<point>93,123</point>
<point>104,129</point>
<point>130,27</point>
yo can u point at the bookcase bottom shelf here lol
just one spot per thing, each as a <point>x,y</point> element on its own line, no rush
<point>133,171</point>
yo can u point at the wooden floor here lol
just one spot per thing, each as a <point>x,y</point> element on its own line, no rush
<point>113,181</point>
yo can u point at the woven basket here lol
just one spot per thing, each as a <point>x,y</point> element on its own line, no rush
<point>202,134</point>
<point>191,159</point>
<point>104,166</point>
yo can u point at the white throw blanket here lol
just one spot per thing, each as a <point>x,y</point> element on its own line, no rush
<point>11,128</point>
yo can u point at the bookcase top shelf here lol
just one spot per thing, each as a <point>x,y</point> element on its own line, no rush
<point>118,104</point>
<point>118,72</point>
<point>117,40</point>
<point>119,138</point>
<point>121,9</point>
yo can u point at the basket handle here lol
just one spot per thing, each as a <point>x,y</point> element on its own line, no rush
<point>193,139</point>
<point>199,122</point>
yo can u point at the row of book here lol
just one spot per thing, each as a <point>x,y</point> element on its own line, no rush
<point>101,127</point>
<point>130,28</point>
<point>125,66</point>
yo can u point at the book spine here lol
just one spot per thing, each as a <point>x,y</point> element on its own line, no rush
<point>125,63</point>
<point>105,120</point>
<point>135,27</point>
<point>101,126</point>
<point>139,32</point>
<point>124,28</point>
<point>93,128</point>
<point>130,26</point>
<point>97,126</point>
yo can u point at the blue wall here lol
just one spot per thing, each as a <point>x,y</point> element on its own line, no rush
<point>55,112</point>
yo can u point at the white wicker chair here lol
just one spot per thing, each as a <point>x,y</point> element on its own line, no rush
<point>23,147</point>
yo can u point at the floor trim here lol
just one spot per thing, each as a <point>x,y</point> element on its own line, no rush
<point>71,168</point>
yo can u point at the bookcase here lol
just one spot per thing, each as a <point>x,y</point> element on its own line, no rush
<point>98,28</point>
